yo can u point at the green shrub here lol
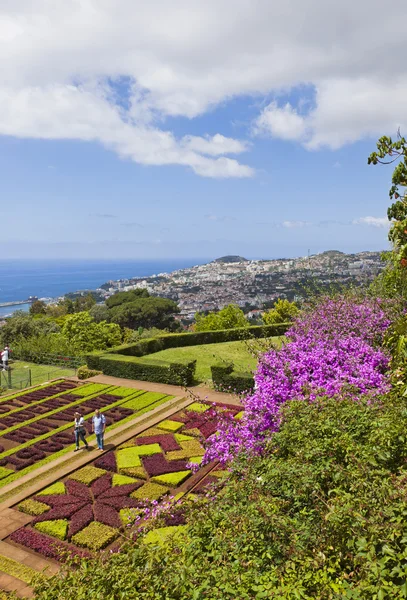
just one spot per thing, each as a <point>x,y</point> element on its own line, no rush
<point>5,472</point>
<point>169,425</point>
<point>198,407</point>
<point>95,536</point>
<point>150,491</point>
<point>172,479</point>
<point>32,507</point>
<point>131,367</point>
<point>56,488</point>
<point>144,400</point>
<point>85,373</point>
<point>226,380</point>
<point>87,475</point>
<point>128,458</point>
<point>160,535</point>
<point>57,528</point>
<point>122,479</point>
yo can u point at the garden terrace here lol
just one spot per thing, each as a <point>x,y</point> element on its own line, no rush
<point>89,509</point>
<point>35,435</point>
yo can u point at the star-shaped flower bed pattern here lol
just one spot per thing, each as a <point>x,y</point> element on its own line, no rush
<point>81,505</point>
<point>91,506</point>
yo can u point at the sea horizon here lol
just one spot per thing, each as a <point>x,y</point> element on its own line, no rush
<point>52,278</point>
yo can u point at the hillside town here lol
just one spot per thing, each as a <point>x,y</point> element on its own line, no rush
<point>254,284</point>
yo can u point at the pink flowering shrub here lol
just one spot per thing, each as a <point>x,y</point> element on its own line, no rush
<point>332,348</point>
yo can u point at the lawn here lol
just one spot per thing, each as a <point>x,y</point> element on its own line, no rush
<point>24,374</point>
<point>209,354</point>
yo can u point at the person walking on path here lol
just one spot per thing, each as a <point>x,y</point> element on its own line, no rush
<point>80,431</point>
<point>98,427</point>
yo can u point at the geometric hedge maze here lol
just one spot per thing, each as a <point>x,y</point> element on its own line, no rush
<point>37,426</point>
<point>86,511</point>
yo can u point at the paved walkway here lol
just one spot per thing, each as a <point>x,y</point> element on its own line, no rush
<point>204,393</point>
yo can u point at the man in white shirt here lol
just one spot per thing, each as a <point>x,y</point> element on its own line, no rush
<point>4,358</point>
<point>80,431</point>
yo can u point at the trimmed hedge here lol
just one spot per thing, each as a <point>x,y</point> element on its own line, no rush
<point>226,380</point>
<point>125,361</point>
<point>131,367</point>
<point>179,340</point>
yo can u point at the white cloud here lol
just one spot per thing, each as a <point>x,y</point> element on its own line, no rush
<point>77,112</point>
<point>284,123</point>
<point>372,221</point>
<point>60,62</point>
<point>292,224</point>
<point>214,146</point>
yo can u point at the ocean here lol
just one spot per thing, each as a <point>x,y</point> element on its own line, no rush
<point>20,279</point>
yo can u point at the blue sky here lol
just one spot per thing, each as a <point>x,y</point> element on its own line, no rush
<point>191,153</point>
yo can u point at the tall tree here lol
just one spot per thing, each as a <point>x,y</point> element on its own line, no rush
<point>229,317</point>
<point>145,312</point>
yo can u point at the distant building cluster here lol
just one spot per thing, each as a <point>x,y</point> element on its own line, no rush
<point>252,283</point>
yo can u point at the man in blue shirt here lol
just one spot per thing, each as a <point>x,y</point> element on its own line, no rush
<point>98,427</point>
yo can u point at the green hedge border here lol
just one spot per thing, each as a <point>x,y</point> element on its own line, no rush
<point>132,367</point>
<point>126,361</point>
<point>179,340</point>
<point>225,379</point>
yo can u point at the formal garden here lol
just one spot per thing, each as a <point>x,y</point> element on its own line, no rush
<point>36,426</point>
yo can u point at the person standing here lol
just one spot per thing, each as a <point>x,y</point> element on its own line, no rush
<point>80,431</point>
<point>98,427</point>
<point>4,358</point>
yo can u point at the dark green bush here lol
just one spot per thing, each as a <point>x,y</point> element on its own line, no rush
<point>84,373</point>
<point>131,367</point>
<point>178,340</point>
<point>225,379</point>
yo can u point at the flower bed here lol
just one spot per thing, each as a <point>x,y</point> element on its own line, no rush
<point>92,505</point>
<point>41,436</point>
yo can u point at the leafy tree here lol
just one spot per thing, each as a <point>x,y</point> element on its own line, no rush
<point>395,151</point>
<point>146,312</point>
<point>83,303</point>
<point>284,311</point>
<point>56,311</point>
<point>86,335</point>
<point>38,308</point>
<point>229,317</point>
<point>100,313</point>
<point>68,305</point>
<point>24,325</point>
<point>33,348</point>
<point>125,297</point>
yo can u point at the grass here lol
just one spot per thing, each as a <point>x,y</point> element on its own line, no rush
<point>20,374</point>
<point>209,354</point>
